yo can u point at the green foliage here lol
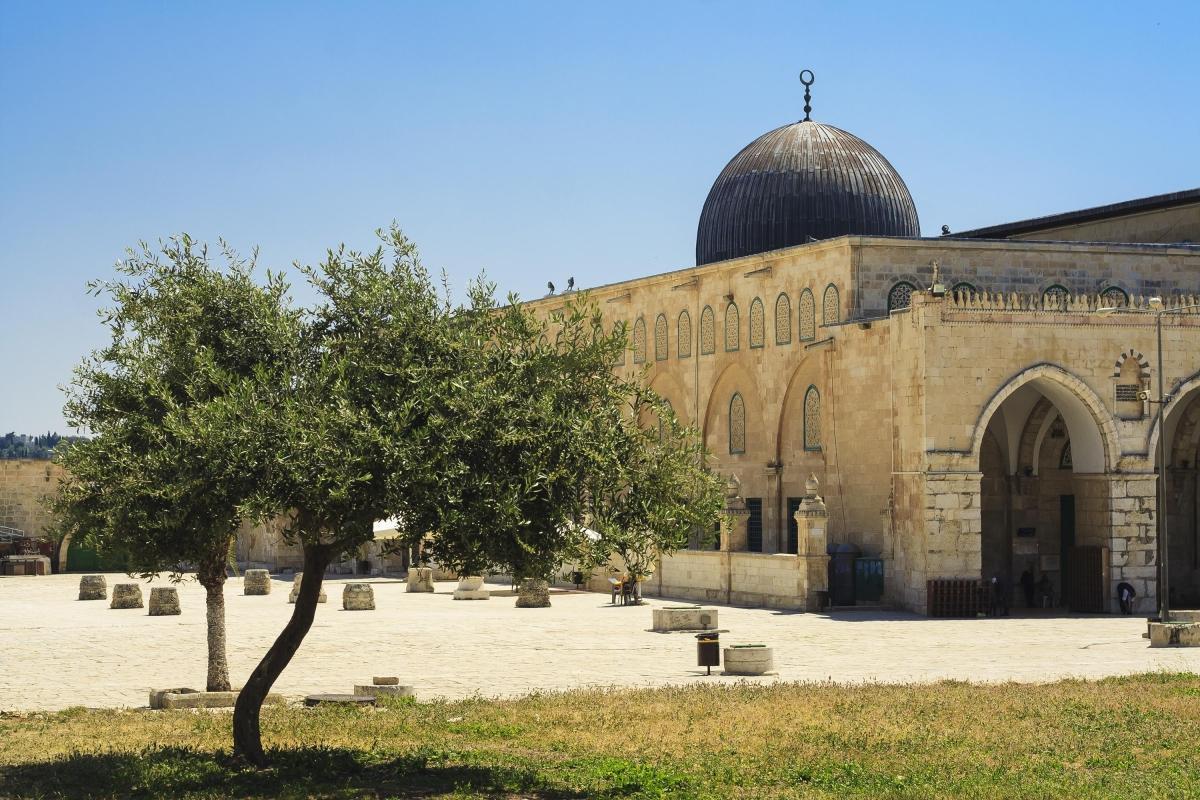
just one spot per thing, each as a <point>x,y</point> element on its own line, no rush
<point>14,445</point>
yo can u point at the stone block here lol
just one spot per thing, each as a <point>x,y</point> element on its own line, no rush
<point>379,680</point>
<point>420,579</point>
<point>373,690</point>
<point>683,618</point>
<point>471,588</point>
<point>1175,634</point>
<point>296,589</point>
<point>748,660</point>
<point>533,594</point>
<point>358,597</point>
<point>126,595</point>
<point>93,587</point>
<point>256,581</point>
<point>164,601</point>
<point>167,699</point>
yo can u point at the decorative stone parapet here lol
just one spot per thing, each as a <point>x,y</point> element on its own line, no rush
<point>296,590</point>
<point>749,659</point>
<point>164,601</point>
<point>256,581</point>
<point>684,618</point>
<point>420,579</point>
<point>126,595</point>
<point>533,593</point>
<point>358,597</point>
<point>1175,634</point>
<point>93,587</point>
<point>470,588</point>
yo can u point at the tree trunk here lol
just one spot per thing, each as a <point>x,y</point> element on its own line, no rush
<point>247,738</point>
<point>212,578</point>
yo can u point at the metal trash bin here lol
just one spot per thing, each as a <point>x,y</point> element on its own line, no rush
<point>708,650</point>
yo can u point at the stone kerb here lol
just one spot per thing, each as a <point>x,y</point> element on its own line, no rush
<point>754,659</point>
<point>256,582</point>
<point>420,579</point>
<point>126,595</point>
<point>93,587</point>
<point>296,589</point>
<point>164,601</point>
<point>683,618</point>
<point>358,597</point>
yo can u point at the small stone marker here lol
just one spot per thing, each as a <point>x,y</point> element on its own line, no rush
<point>392,681</point>
<point>126,595</point>
<point>296,590</point>
<point>381,691</point>
<point>341,699</point>
<point>256,581</point>
<point>358,597</point>
<point>420,579</point>
<point>164,601</point>
<point>748,659</point>
<point>93,587</point>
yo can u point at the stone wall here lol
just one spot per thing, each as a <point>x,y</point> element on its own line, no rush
<point>24,485</point>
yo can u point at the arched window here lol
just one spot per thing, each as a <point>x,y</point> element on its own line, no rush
<point>708,332</point>
<point>737,424</point>
<point>1114,297</point>
<point>1055,296</point>
<point>758,324</point>
<point>683,334</point>
<point>808,316</point>
<point>660,338</point>
<point>831,306</point>
<point>963,289</point>
<point>812,419</point>
<point>1131,375</point>
<point>639,341</point>
<point>900,296</point>
<point>783,319</point>
<point>733,328</point>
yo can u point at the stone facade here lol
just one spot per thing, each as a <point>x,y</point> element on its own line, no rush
<point>25,484</point>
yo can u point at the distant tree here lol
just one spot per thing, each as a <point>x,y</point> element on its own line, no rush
<point>166,477</point>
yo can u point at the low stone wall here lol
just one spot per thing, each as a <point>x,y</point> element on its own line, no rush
<point>775,580</point>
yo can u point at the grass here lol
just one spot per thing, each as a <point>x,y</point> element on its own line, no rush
<point>1135,736</point>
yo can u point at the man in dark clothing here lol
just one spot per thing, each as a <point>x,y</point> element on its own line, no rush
<point>999,597</point>
<point>1125,595</point>
<point>1027,586</point>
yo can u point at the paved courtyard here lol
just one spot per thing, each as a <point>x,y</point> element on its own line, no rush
<point>61,652</point>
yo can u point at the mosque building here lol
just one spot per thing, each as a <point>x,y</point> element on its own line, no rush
<point>975,405</point>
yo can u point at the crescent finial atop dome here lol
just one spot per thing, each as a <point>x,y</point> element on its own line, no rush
<point>807,94</point>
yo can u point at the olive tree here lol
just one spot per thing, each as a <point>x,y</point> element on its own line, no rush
<point>163,480</point>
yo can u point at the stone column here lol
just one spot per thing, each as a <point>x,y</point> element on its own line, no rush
<point>811,539</point>
<point>1134,538</point>
<point>773,533</point>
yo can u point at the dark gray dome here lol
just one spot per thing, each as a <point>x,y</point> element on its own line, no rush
<point>799,181</point>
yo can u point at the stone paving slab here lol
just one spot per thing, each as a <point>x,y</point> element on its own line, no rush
<point>58,651</point>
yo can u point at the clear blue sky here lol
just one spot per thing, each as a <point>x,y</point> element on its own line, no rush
<point>534,140</point>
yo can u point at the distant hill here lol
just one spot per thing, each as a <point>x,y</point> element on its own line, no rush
<point>23,445</point>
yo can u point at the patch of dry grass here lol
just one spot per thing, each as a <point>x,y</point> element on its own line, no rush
<point>1124,737</point>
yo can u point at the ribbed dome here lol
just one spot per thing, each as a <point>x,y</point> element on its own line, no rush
<point>799,181</point>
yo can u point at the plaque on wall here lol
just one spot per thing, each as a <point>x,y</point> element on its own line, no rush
<point>1128,392</point>
<point>1025,532</point>
<point>1049,562</point>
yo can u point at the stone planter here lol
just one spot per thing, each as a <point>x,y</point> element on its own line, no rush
<point>126,595</point>
<point>533,593</point>
<point>93,587</point>
<point>683,618</point>
<point>469,588</point>
<point>164,601</point>
<point>420,579</point>
<point>749,660</point>
<point>358,597</point>
<point>256,581</point>
<point>296,590</point>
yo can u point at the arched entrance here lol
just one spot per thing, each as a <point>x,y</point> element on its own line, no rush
<point>1045,500</point>
<point>1183,499</point>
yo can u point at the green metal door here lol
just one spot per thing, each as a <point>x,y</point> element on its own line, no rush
<point>868,580</point>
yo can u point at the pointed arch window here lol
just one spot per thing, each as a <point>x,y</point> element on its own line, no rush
<point>808,316</point>
<point>1055,296</point>
<point>900,296</point>
<point>733,328</point>
<point>660,338</point>
<point>737,424</point>
<point>812,419</point>
<point>783,319</point>
<point>708,331</point>
<point>831,306</point>
<point>683,334</point>
<point>964,289</point>
<point>758,323</point>
<point>639,341</point>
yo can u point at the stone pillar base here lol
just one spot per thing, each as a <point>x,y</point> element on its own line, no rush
<point>93,587</point>
<point>358,597</point>
<point>420,579</point>
<point>533,594</point>
<point>256,581</point>
<point>755,660</point>
<point>164,601</point>
<point>296,590</point>
<point>126,595</point>
<point>470,588</point>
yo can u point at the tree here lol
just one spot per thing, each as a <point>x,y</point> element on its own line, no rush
<point>164,479</point>
<point>659,493</point>
<point>354,430</point>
